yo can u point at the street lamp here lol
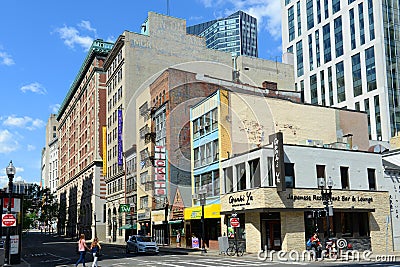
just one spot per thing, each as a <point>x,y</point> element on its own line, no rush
<point>202,196</point>
<point>10,170</point>
<point>95,225</point>
<point>326,193</point>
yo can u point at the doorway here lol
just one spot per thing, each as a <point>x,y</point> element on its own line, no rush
<point>271,231</point>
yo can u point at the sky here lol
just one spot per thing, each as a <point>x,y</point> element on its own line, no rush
<point>44,43</point>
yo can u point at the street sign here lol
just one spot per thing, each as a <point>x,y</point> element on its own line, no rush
<point>235,222</point>
<point>8,220</point>
<point>124,208</point>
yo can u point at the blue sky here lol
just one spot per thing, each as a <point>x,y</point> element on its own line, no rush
<point>43,44</point>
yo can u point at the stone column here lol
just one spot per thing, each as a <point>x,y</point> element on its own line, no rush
<point>292,231</point>
<point>253,232</point>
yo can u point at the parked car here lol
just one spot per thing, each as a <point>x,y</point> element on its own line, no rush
<point>141,244</point>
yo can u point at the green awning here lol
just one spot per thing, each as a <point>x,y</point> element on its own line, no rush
<point>176,221</point>
<point>128,227</point>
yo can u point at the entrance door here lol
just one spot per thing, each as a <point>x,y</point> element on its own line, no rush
<point>273,234</point>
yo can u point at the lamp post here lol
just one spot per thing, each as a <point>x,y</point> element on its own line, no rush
<point>202,196</point>
<point>10,170</point>
<point>326,193</point>
<point>95,225</point>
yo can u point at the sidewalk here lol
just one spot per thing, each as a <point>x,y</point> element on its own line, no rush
<point>22,264</point>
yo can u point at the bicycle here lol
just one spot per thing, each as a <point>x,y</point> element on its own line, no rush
<point>235,250</point>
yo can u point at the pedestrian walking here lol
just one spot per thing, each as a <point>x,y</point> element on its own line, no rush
<point>95,248</point>
<point>82,250</point>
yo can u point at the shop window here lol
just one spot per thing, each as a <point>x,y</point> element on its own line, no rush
<point>241,176</point>
<point>255,178</point>
<point>344,177</point>
<point>289,175</point>
<point>228,177</point>
<point>371,179</point>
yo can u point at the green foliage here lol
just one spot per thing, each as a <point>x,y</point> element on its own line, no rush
<point>39,205</point>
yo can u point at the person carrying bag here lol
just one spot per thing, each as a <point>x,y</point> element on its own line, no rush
<point>95,248</point>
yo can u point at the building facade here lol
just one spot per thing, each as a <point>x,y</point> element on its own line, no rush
<point>82,116</point>
<point>344,53</point>
<point>50,155</point>
<point>137,59</point>
<point>236,34</point>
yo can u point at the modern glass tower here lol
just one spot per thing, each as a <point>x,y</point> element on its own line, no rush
<point>347,55</point>
<point>236,33</point>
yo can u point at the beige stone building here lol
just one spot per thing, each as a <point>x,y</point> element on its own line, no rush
<point>318,142</point>
<point>137,59</point>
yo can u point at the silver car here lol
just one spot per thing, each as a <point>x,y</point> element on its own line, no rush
<point>141,244</point>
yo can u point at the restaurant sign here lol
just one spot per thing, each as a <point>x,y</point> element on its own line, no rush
<point>244,199</point>
<point>334,198</point>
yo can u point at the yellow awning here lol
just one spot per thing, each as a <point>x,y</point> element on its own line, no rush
<point>210,211</point>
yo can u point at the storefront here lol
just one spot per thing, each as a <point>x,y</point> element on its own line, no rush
<point>159,227</point>
<point>212,224</point>
<point>144,223</point>
<point>285,220</point>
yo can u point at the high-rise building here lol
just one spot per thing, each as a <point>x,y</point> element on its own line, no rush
<point>50,155</point>
<point>82,120</point>
<point>236,33</point>
<point>345,56</point>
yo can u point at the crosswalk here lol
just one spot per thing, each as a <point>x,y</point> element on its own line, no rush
<point>199,261</point>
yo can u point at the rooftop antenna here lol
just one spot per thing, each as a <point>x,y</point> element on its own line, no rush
<point>167,7</point>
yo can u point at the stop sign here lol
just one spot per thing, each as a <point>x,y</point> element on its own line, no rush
<point>8,220</point>
<point>235,222</point>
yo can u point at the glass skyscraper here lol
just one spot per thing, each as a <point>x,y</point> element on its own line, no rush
<point>236,34</point>
<point>353,46</point>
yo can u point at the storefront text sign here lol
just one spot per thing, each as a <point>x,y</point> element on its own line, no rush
<point>279,166</point>
<point>243,200</point>
<point>334,198</point>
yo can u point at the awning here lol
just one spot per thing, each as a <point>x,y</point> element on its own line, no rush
<point>128,227</point>
<point>175,221</point>
<point>210,211</point>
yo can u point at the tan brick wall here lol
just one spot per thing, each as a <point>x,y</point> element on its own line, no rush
<point>292,231</point>
<point>293,227</point>
<point>253,232</point>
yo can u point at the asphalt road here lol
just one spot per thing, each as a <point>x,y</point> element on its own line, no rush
<point>41,250</point>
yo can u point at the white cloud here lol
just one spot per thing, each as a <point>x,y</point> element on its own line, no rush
<point>86,26</point>
<point>55,108</point>
<point>6,59</point>
<point>23,122</point>
<point>34,88</point>
<point>267,12</point>
<point>7,142</point>
<point>72,36</point>
<point>19,169</point>
<point>31,147</point>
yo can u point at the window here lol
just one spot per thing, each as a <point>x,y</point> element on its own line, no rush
<point>322,81</point>
<point>143,177</point>
<point>371,21</point>
<point>326,13</point>
<point>299,52</point>
<point>366,109</point>
<point>371,179</point>
<point>317,51</point>
<point>298,19</point>
<point>341,93</point>
<point>228,177</point>
<point>241,176</point>
<point>352,29</point>
<point>289,175</point>
<point>144,202</point>
<point>255,176</point>
<point>196,157</point>
<point>330,85</point>
<point>318,11</point>
<point>344,177</point>
<point>361,23</point>
<point>357,82</point>
<point>320,171</point>
<point>378,117</point>
<point>214,118</point>
<point>270,173</point>
<point>327,43</point>
<point>370,69</point>
<point>310,14</point>
<point>338,36</point>
<point>291,23</point>
<point>314,89</point>
<point>310,52</point>
<point>335,6</point>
